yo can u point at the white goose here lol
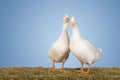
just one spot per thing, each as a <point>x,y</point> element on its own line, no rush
<point>81,48</point>
<point>59,52</point>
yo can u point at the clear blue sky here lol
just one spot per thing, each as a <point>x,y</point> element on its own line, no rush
<point>29,27</point>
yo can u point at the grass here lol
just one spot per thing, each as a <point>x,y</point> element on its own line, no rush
<point>40,73</point>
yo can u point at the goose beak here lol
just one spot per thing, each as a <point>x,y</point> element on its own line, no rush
<point>72,22</point>
<point>66,18</point>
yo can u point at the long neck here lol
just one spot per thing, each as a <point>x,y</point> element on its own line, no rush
<point>64,34</point>
<point>76,31</point>
<point>64,26</point>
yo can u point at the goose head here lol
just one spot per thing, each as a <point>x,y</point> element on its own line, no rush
<point>73,22</point>
<point>66,19</point>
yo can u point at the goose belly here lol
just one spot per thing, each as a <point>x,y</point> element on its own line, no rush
<point>82,52</point>
<point>59,52</point>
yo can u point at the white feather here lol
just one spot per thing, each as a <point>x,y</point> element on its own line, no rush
<point>59,51</point>
<point>81,48</point>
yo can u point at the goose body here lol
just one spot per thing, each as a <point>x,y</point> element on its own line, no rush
<point>59,51</point>
<point>81,48</point>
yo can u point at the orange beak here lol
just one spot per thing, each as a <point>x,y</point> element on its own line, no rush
<point>67,20</point>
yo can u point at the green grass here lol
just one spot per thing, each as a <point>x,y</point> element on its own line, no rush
<point>40,73</point>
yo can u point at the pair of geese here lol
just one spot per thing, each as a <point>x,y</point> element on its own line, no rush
<point>84,51</point>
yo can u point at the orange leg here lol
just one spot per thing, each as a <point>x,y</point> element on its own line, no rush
<point>88,71</point>
<point>63,64</point>
<point>82,69</point>
<point>53,65</point>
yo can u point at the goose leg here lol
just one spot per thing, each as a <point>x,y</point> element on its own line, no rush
<point>63,64</point>
<point>53,65</point>
<point>88,71</point>
<point>82,69</point>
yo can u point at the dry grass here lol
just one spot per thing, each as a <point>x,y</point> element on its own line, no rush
<point>40,73</point>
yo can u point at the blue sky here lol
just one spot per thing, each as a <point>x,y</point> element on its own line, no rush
<point>29,27</point>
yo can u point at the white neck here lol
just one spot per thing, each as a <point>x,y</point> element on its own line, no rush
<point>64,35</point>
<point>76,30</point>
<point>64,26</point>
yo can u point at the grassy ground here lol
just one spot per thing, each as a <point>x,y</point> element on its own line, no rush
<point>40,73</point>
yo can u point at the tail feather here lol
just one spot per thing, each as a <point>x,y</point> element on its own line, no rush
<point>98,53</point>
<point>100,50</point>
